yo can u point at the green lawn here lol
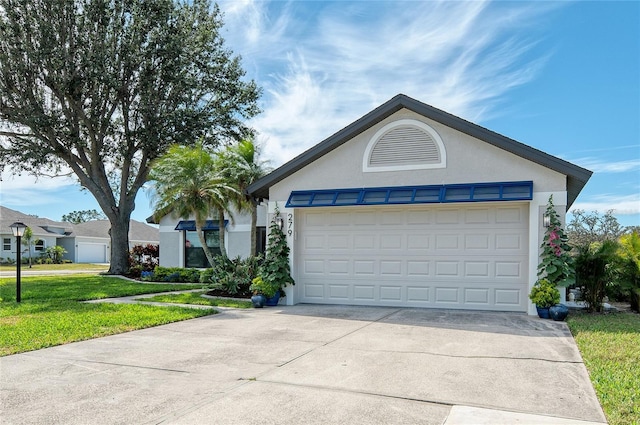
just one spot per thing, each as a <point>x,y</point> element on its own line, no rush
<point>50,312</point>
<point>67,266</point>
<point>195,298</point>
<point>610,347</point>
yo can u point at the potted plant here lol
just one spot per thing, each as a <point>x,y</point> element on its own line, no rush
<point>544,294</point>
<point>275,271</point>
<point>262,291</point>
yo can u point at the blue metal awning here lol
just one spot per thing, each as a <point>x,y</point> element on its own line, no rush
<point>190,225</point>
<point>471,192</point>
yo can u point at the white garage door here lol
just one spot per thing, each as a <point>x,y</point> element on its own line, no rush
<point>465,257</point>
<point>92,253</point>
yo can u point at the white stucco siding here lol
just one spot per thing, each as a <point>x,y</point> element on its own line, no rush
<point>469,160</point>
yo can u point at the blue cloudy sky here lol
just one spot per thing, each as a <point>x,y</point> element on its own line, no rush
<point>563,77</point>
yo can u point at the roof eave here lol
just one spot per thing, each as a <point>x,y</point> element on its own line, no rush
<point>577,176</point>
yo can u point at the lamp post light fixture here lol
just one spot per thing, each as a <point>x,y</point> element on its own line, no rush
<point>18,231</point>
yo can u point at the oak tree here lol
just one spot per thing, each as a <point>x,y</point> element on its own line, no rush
<point>101,88</point>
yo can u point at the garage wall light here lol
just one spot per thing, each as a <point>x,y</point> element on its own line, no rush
<point>546,220</point>
<point>280,222</point>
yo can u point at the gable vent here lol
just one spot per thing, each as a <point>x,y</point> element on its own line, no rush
<point>404,145</point>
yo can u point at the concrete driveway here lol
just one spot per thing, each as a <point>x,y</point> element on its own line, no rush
<point>310,365</point>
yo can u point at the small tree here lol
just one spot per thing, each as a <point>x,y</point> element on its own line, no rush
<point>29,241</point>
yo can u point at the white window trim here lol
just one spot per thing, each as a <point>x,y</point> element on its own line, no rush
<point>403,122</point>
<point>44,245</point>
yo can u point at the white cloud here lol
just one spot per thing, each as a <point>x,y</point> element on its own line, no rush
<point>323,65</point>
<point>598,165</point>
<point>620,204</point>
<point>25,190</point>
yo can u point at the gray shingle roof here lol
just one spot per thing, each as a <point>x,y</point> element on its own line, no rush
<point>38,225</point>
<point>577,176</point>
<point>138,231</point>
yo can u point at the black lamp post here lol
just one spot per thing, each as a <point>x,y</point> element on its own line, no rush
<point>18,231</point>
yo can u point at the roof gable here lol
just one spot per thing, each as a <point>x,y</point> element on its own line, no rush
<point>40,226</point>
<point>576,176</point>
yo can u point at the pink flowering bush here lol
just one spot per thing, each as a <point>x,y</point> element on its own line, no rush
<point>556,265</point>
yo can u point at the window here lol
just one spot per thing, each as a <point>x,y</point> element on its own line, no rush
<point>261,240</point>
<point>39,245</point>
<point>6,244</point>
<point>193,252</point>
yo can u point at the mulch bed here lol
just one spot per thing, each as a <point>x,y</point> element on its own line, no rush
<point>223,294</point>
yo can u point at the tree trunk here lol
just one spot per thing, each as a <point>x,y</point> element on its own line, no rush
<point>221,230</point>
<point>119,232</point>
<point>203,242</point>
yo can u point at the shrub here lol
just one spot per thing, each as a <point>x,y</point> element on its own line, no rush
<point>232,276</point>
<point>175,274</point>
<point>595,269</point>
<point>143,258</point>
<point>544,294</point>
<point>629,268</point>
<point>260,286</point>
<point>54,253</point>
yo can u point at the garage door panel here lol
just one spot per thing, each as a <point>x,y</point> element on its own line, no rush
<point>416,267</point>
<point>451,257</point>
<point>434,294</point>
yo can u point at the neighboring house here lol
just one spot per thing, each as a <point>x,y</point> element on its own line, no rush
<point>85,242</point>
<point>90,241</point>
<point>412,206</point>
<point>181,247</point>
<point>46,232</point>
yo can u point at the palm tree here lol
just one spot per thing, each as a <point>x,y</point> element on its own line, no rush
<point>239,163</point>
<point>29,241</point>
<point>187,183</point>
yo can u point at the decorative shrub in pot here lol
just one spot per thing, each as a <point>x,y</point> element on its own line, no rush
<point>544,294</point>
<point>262,291</point>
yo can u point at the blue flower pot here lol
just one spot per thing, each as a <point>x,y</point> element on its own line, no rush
<point>543,313</point>
<point>273,301</point>
<point>258,301</point>
<point>558,312</point>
